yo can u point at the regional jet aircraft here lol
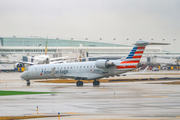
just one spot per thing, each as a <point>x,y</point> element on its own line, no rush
<point>88,70</point>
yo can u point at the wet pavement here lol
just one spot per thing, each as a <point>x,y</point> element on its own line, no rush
<point>123,100</point>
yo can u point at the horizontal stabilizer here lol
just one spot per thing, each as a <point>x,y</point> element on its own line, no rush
<point>145,43</point>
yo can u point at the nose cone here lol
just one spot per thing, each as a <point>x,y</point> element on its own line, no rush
<point>22,75</point>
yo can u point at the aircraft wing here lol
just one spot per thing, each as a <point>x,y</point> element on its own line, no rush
<point>29,63</point>
<point>5,60</point>
<point>133,73</point>
<point>52,72</point>
<point>38,58</point>
<point>59,58</point>
<point>73,77</point>
<point>145,69</point>
<point>57,62</point>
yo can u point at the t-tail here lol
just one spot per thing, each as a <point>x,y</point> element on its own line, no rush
<point>136,53</point>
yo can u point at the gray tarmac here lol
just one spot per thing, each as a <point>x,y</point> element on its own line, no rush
<point>132,100</point>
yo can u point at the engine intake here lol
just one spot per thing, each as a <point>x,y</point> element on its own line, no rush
<point>104,64</point>
<point>19,65</point>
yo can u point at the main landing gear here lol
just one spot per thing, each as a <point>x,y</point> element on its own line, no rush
<point>79,83</point>
<point>96,83</point>
<point>28,83</point>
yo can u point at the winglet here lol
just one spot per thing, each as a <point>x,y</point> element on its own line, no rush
<point>145,69</point>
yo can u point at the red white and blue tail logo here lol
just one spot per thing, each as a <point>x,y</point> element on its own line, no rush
<point>132,59</point>
<point>134,56</point>
<point>136,53</point>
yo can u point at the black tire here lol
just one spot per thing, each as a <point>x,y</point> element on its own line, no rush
<point>96,83</point>
<point>28,83</point>
<point>79,83</point>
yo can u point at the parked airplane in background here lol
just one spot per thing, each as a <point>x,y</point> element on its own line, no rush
<point>43,59</point>
<point>88,70</point>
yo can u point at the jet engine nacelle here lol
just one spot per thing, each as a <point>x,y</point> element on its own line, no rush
<point>104,64</point>
<point>19,65</point>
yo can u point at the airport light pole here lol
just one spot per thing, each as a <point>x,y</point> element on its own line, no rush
<point>23,46</point>
<point>86,47</point>
<point>114,44</point>
<point>100,44</point>
<point>174,48</point>
<point>127,44</point>
<point>72,43</point>
<point>86,41</point>
<point>163,46</point>
<point>152,52</point>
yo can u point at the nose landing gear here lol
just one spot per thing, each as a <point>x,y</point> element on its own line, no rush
<point>28,83</point>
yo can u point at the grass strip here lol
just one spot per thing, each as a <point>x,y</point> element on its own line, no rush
<point>28,117</point>
<point>110,80</point>
<point>4,93</point>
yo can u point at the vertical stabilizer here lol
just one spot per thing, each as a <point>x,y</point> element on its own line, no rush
<point>137,51</point>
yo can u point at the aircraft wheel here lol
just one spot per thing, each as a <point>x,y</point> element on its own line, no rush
<point>28,83</point>
<point>79,83</point>
<point>96,83</point>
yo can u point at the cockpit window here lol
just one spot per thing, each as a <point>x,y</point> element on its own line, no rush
<point>27,69</point>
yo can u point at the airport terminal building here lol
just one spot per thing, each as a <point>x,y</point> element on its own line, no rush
<point>72,48</point>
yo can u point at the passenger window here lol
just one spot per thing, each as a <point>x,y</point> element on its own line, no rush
<point>80,66</point>
<point>64,67</point>
<point>71,67</point>
<point>87,66</point>
<point>84,66</point>
<point>67,67</point>
<point>77,66</point>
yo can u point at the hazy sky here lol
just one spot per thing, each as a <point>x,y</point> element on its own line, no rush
<point>93,19</point>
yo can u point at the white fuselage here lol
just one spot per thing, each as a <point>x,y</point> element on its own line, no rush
<point>77,71</point>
